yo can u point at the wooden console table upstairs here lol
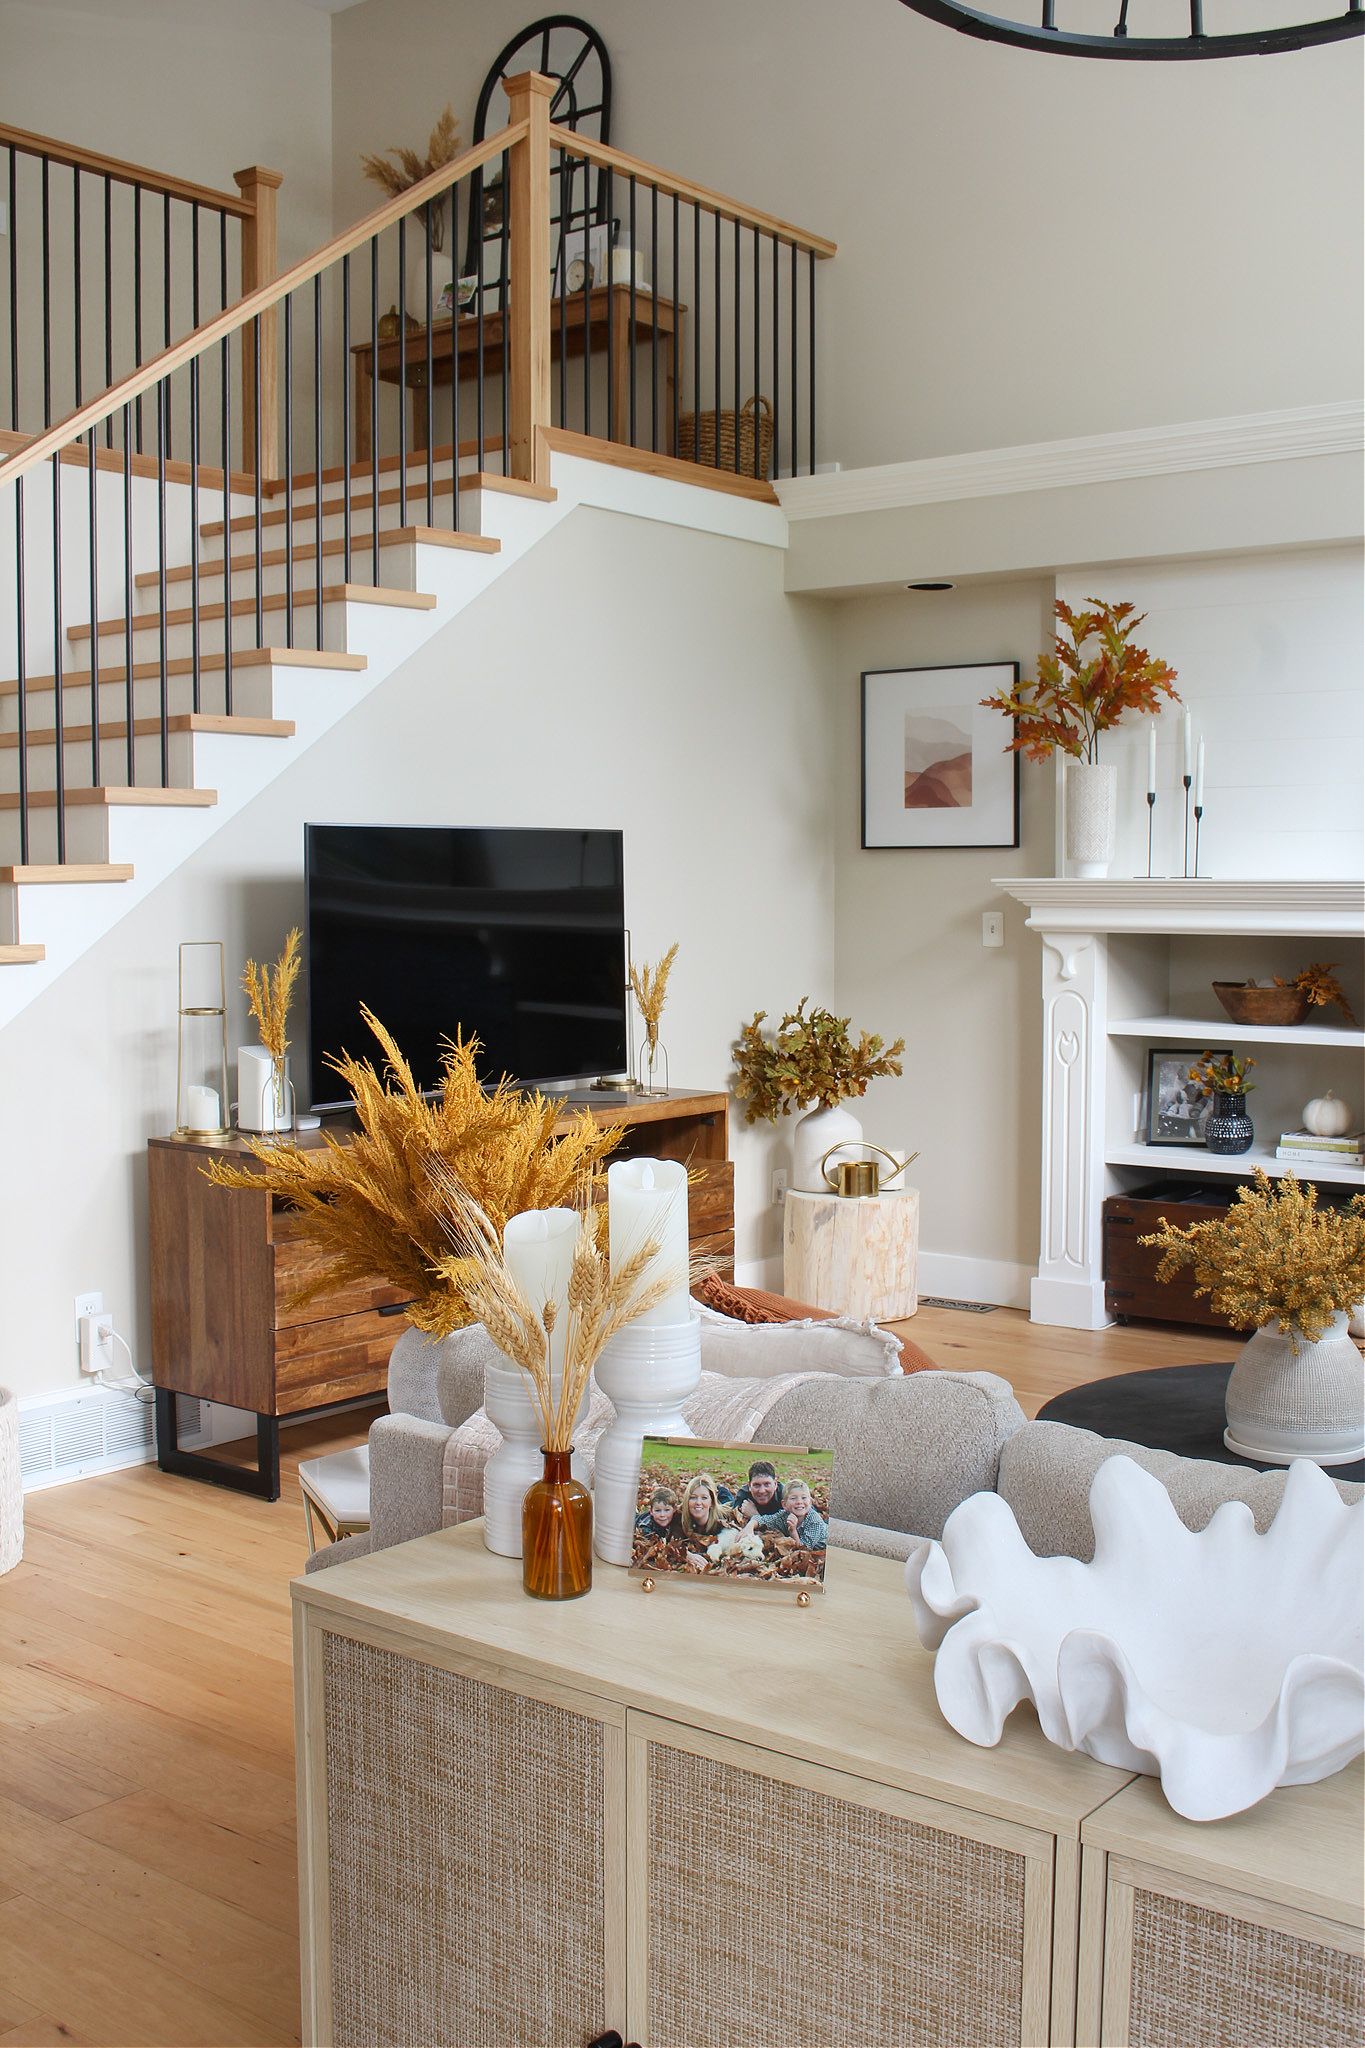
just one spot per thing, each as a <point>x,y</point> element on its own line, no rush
<point>226,1263</point>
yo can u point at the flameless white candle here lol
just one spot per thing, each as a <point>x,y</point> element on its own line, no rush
<point>1199,776</point>
<point>1151,760</point>
<point>202,1109</point>
<point>1189,749</point>
<point>538,1248</point>
<point>647,1198</point>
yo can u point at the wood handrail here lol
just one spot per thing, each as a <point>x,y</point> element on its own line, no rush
<point>255,303</point>
<point>713,202</point>
<point>78,159</point>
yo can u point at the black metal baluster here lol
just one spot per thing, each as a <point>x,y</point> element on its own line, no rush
<point>715,395</point>
<point>289,469</point>
<point>734,229</point>
<point>13,308</point>
<point>429,395</point>
<point>94,622</point>
<point>20,636</point>
<point>166,295</point>
<point>504,255</point>
<point>76,269</point>
<point>195,703</point>
<point>345,419</point>
<point>611,323</point>
<point>796,382</point>
<point>674,353</point>
<point>226,406</point>
<point>128,671</point>
<point>374,409</point>
<point>562,281</point>
<point>137,304</point>
<point>654,319</point>
<point>477,201</point>
<point>696,331</point>
<point>58,659</point>
<point>256,472</point>
<point>758,345</point>
<point>108,302</point>
<point>633,350</point>
<point>811,372</point>
<point>47,305</point>
<point>162,408</point>
<point>777,357</point>
<point>402,379</point>
<point>317,454</point>
<point>587,302</point>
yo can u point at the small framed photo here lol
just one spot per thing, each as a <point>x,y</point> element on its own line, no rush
<point>1177,1107</point>
<point>751,1515</point>
<point>935,767</point>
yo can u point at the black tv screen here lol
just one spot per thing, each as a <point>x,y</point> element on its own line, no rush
<point>514,936</point>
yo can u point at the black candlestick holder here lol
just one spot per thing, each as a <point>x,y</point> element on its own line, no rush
<point>1185,863</point>
<point>1198,814</point>
<point>1151,814</point>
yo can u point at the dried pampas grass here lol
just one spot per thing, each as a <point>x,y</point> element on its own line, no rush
<point>649,986</point>
<point>270,1002</point>
<point>443,145</point>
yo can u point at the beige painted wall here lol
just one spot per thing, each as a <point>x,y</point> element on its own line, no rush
<point>909,958</point>
<point>624,674</point>
<point>1030,247</point>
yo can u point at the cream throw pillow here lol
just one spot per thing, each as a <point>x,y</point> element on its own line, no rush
<point>761,1351</point>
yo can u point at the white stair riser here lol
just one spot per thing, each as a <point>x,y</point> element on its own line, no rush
<point>251,698</point>
<point>113,766</point>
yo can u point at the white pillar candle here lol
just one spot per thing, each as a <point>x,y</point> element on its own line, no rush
<point>647,1198</point>
<point>1151,760</point>
<point>1189,750</point>
<point>1199,775</point>
<point>202,1109</point>
<point>538,1249</point>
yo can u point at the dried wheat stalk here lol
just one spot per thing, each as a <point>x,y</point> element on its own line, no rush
<point>649,986</point>
<point>270,1001</point>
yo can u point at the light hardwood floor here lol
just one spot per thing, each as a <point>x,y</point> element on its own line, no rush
<point>147,1860</point>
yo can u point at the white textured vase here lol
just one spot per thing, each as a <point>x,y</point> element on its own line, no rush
<point>646,1372</point>
<point>442,270</point>
<point>812,1138</point>
<point>11,1483</point>
<point>1224,1662</point>
<point>1284,1403</point>
<point>518,1461</point>
<point>1091,809</point>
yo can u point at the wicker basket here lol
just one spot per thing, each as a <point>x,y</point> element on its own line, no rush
<point>755,413</point>
<point>11,1484</point>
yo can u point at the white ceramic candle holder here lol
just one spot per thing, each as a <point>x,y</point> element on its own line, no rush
<point>518,1461</point>
<point>646,1372</point>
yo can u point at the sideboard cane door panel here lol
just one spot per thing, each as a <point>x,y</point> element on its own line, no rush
<point>773,1900</point>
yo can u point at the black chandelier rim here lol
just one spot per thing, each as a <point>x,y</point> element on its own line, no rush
<point>994,28</point>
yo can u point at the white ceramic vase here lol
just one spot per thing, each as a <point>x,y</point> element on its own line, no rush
<point>812,1138</point>
<point>442,271</point>
<point>646,1372</point>
<point>1091,809</point>
<point>518,1461</point>
<point>11,1483</point>
<point>1309,1402</point>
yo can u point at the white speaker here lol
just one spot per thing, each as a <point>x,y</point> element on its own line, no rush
<point>256,1092</point>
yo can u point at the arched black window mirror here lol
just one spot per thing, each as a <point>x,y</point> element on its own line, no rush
<point>1218,36</point>
<point>569,50</point>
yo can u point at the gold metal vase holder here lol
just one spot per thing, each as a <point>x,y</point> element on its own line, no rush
<point>858,1178</point>
<point>195,1032</point>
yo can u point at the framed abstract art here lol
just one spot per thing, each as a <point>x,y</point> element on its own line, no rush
<point>935,769</point>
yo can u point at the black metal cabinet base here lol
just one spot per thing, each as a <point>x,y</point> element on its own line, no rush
<point>263,1482</point>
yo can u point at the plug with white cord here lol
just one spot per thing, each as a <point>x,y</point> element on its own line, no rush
<point>97,1340</point>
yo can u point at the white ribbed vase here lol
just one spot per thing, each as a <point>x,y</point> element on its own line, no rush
<point>517,1462</point>
<point>815,1133</point>
<point>11,1483</point>
<point>646,1372</point>
<point>1310,1403</point>
<point>1091,809</point>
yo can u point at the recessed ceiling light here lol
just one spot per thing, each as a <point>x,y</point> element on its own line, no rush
<point>929,586</point>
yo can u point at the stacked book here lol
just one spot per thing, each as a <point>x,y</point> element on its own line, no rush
<point>1304,1148</point>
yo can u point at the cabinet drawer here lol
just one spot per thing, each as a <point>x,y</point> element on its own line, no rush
<point>337,1360</point>
<point>711,1198</point>
<point>299,1261</point>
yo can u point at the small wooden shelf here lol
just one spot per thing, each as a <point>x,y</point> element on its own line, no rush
<point>1193,1159</point>
<point>1189,1030</point>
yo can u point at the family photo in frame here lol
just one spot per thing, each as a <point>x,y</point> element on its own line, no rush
<point>1177,1105</point>
<point>751,1513</point>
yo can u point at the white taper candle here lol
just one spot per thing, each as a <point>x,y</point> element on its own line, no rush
<point>1189,748</point>
<point>1151,759</point>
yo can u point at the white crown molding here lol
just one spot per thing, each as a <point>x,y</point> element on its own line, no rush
<point>1158,904</point>
<point>1287,436</point>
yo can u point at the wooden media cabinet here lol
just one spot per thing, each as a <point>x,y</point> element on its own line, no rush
<point>227,1262</point>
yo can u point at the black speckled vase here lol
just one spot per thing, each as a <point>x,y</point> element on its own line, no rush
<point>1229,1130</point>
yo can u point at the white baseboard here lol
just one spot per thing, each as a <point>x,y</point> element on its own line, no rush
<point>948,1273</point>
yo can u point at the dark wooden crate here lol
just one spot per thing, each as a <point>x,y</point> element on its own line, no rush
<point>1131,1287</point>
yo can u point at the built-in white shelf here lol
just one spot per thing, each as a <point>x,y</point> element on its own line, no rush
<point>1209,1029</point>
<point>1193,1159</point>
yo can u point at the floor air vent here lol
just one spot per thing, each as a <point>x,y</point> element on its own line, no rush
<point>90,1429</point>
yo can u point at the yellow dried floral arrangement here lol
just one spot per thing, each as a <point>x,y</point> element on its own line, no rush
<point>649,986</point>
<point>1319,986</point>
<point>443,145</point>
<point>1274,1254</point>
<point>269,1002</point>
<point>368,1204</point>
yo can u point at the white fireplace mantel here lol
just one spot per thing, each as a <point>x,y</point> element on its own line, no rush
<point>1087,1072</point>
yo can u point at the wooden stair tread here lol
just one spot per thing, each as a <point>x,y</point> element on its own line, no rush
<point>275,601</point>
<point>22,956</point>
<point>113,796</point>
<point>74,871</point>
<point>183,665</point>
<point>332,508</point>
<point>179,721</point>
<point>275,558</point>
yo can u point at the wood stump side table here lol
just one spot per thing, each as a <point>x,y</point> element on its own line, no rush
<point>853,1254</point>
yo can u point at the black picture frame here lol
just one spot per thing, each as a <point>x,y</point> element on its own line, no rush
<point>1165,1124</point>
<point>976,804</point>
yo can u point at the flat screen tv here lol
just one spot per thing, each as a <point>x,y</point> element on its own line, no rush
<point>516,936</point>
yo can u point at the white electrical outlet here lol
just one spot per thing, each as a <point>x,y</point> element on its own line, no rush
<point>88,1305</point>
<point>993,928</point>
<point>779,1185</point>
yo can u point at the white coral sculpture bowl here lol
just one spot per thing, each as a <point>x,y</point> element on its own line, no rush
<point>1224,1662</point>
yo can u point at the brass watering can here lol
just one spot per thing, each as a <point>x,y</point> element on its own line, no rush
<point>855,1177</point>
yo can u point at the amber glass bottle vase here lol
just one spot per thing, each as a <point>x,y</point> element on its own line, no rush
<point>556,1533</point>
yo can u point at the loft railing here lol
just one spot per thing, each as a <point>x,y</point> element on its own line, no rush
<point>353,416</point>
<point>107,262</point>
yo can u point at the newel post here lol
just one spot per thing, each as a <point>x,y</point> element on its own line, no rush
<point>528,289</point>
<point>260,265</point>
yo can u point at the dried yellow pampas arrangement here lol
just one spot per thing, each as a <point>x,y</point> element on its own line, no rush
<point>442,146</point>
<point>649,986</point>
<point>269,1000</point>
<point>602,1299</point>
<point>368,1205</point>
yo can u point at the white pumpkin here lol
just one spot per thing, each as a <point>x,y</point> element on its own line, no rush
<point>1326,1116</point>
